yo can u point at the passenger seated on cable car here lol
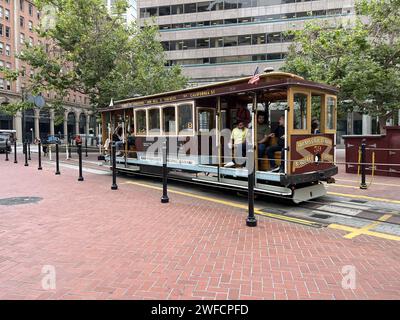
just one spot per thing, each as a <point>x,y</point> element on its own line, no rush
<point>238,143</point>
<point>263,132</point>
<point>279,133</point>
<point>117,139</point>
<point>131,138</point>
<point>315,127</point>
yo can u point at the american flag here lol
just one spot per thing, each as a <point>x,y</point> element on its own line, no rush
<point>256,77</point>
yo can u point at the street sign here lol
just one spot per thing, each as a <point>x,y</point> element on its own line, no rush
<point>39,101</point>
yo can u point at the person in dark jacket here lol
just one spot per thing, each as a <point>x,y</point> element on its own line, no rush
<point>280,134</point>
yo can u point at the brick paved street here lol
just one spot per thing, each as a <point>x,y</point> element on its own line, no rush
<point>127,245</point>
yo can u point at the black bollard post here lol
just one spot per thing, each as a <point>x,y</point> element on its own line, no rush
<point>57,161</point>
<point>80,162</point>
<point>29,151</point>
<point>40,156</point>
<point>15,151</point>
<point>251,220</point>
<point>69,150</point>
<point>7,150</point>
<point>26,153</point>
<point>363,184</point>
<point>165,198</point>
<point>114,185</point>
<point>86,147</point>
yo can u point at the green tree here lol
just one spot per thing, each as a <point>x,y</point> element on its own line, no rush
<point>361,57</point>
<point>88,50</point>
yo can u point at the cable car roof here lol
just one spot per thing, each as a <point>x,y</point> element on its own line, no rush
<point>268,80</point>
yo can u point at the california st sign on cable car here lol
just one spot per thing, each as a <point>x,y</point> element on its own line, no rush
<point>198,124</point>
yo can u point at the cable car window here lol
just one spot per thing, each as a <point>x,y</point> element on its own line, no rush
<point>169,122</point>
<point>141,122</point>
<point>154,121</point>
<point>185,118</point>
<point>300,111</point>
<point>330,113</point>
<point>206,120</point>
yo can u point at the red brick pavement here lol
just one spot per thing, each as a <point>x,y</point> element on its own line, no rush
<point>126,245</point>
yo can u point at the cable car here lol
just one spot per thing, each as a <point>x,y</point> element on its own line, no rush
<point>197,126</point>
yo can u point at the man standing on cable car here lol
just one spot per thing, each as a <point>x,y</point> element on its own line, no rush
<point>279,133</point>
<point>238,143</point>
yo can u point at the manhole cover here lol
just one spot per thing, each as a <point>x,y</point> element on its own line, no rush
<point>320,216</point>
<point>19,200</point>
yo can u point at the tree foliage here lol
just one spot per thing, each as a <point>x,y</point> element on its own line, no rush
<point>88,50</point>
<point>361,56</point>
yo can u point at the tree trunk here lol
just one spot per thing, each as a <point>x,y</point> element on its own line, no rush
<point>382,122</point>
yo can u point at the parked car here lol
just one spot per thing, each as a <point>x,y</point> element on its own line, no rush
<point>6,136</point>
<point>52,140</point>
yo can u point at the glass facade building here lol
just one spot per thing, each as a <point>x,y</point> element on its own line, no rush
<point>224,39</point>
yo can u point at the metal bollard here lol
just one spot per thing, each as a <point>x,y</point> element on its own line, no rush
<point>26,153</point>
<point>114,185</point>
<point>70,149</point>
<point>15,151</point>
<point>57,161</point>
<point>80,162</point>
<point>251,220</point>
<point>363,184</point>
<point>29,151</point>
<point>7,150</point>
<point>165,198</point>
<point>40,156</point>
<point>86,151</point>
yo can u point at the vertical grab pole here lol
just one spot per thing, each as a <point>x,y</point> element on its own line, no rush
<point>80,162</point>
<point>57,161</point>
<point>40,155</point>
<point>114,185</point>
<point>363,184</point>
<point>164,198</point>
<point>7,150</point>
<point>251,220</point>
<point>15,151</point>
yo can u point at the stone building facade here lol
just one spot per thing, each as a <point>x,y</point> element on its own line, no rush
<point>18,18</point>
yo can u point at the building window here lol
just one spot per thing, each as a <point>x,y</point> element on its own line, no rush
<point>31,41</point>
<point>8,50</point>
<point>30,24</point>
<point>8,65</point>
<point>8,32</point>
<point>21,5</point>
<point>30,9</point>
<point>21,21</point>
<point>21,38</point>
<point>8,85</point>
<point>1,47</point>
<point>1,29</point>
<point>1,12</point>
<point>7,14</point>
<point>1,83</point>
